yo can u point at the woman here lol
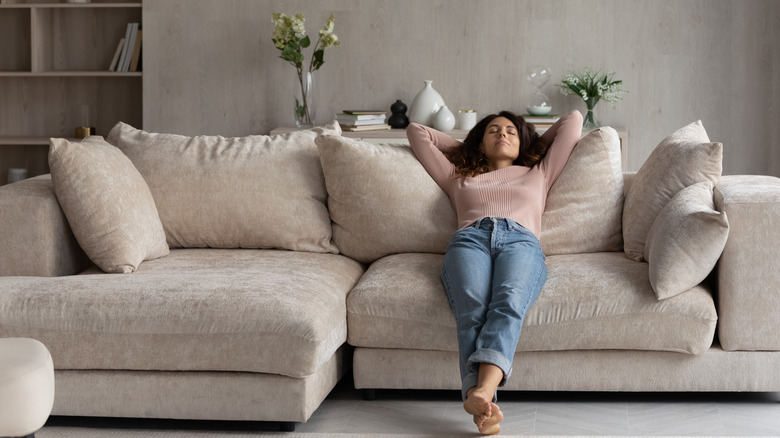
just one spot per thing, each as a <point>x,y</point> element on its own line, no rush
<point>493,270</point>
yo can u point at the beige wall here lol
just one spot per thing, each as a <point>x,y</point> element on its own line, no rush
<point>210,66</point>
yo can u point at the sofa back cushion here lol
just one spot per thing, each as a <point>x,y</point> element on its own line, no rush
<point>256,191</point>
<point>382,201</point>
<point>584,207</point>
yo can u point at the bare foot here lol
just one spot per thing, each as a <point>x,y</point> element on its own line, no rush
<point>479,404</point>
<point>491,425</point>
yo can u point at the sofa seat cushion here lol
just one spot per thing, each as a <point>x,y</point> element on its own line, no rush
<point>590,301</point>
<point>267,311</point>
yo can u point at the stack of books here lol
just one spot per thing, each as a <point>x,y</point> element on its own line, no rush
<point>541,122</point>
<point>127,56</point>
<point>358,120</point>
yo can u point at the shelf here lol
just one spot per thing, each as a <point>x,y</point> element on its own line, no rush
<point>23,141</point>
<point>68,5</point>
<point>58,74</point>
<point>399,136</point>
<point>31,140</point>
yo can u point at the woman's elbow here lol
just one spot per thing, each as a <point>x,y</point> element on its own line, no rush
<point>416,130</point>
<point>575,116</point>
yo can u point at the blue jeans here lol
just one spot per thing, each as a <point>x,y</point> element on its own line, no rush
<point>493,271</point>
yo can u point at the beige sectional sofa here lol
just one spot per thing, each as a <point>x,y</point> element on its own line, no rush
<point>258,270</point>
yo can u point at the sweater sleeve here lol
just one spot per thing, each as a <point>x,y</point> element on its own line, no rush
<point>429,146</point>
<point>563,136</point>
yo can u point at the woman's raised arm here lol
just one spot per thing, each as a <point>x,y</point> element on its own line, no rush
<point>430,147</point>
<point>562,136</point>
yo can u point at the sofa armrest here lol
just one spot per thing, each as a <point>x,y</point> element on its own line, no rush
<point>749,268</point>
<point>35,238</point>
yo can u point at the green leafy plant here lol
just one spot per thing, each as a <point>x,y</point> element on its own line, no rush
<point>591,87</point>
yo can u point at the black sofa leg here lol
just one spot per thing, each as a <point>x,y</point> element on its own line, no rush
<point>369,394</point>
<point>286,426</point>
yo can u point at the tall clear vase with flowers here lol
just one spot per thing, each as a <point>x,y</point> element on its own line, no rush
<point>592,87</point>
<point>290,38</point>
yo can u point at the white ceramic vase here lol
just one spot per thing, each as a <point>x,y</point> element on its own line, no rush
<point>444,120</point>
<point>425,105</point>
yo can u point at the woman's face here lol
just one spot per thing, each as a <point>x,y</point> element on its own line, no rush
<point>501,143</point>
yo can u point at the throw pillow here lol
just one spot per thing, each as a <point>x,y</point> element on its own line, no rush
<point>107,203</point>
<point>257,191</point>
<point>584,207</point>
<point>685,241</point>
<point>684,158</point>
<point>382,201</point>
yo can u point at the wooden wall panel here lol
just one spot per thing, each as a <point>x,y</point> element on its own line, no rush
<point>211,67</point>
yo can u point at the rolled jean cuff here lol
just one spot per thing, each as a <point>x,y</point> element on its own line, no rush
<point>471,380</point>
<point>484,355</point>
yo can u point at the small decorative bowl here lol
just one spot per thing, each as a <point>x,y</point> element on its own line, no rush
<point>539,110</point>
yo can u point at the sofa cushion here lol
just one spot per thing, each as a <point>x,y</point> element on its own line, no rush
<point>265,311</point>
<point>584,207</point>
<point>107,203</point>
<point>685,241</point>
<point>683,158</point>
<point>256,191</point>
<point>589,302</point>
<point>382,201</point>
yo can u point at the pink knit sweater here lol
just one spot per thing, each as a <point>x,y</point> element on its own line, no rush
<point>515,192</point>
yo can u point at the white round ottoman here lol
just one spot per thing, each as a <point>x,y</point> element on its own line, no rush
<point>26,386</point>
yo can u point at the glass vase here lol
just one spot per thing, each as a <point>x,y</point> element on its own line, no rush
<point>305,100</point>
<point>590,121</point>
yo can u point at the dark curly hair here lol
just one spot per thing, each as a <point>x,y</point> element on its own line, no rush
<point>470,160</point>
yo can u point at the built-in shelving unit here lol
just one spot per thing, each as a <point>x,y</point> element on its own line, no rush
<point>54,63</point>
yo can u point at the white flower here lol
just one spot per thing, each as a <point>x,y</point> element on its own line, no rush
<point>290,38</point>
<point>327,37</point>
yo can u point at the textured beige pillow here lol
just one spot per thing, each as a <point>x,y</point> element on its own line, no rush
<point>107,203</point>
<point>684,158</point>
<point>585,205</point>
<point>257,191</point>
<point>685,241</point>
<point>382,201</point>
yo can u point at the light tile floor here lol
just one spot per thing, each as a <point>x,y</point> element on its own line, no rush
<point>525,413</point>
<point>544,413</point>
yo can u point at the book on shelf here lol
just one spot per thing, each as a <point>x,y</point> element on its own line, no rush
<point>360,119</point>
<point>361,128</point>
<point>365,112</point>
<point>537,120</point>
<point>128,54</point>
<point>136,52</point>
<point>115,59</point>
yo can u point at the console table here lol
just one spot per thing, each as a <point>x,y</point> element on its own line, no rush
<point>399,136</point>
